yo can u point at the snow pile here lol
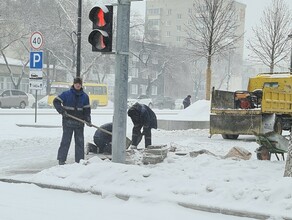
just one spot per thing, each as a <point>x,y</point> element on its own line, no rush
<point>198,111</point>
<point>206,180</point>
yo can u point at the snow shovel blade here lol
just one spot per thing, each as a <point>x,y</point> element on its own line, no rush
<point>128,140</point>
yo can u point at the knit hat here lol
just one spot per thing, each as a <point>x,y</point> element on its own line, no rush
<point>77,80</point>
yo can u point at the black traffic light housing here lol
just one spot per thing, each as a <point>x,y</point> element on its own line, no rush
<point>102,24</point>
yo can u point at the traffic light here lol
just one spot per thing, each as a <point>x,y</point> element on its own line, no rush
<point>102,24</point>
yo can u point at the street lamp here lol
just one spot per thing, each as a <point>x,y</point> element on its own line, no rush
<point>290,37</point>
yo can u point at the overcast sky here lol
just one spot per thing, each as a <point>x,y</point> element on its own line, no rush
<point>254,11</point>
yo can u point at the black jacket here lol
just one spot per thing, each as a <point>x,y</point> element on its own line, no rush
<point>142,115</point>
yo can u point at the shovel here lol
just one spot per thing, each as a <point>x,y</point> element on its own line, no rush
<point>128,141</point>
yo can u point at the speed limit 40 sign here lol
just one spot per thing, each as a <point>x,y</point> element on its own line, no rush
<point>36,40</point>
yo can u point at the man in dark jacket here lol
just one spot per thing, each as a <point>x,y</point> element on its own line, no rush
<point>76,103</point>
<point>102,140</point>
<point>142,116</point>
<point>187,101</point>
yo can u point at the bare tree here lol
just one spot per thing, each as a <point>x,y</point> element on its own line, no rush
<point>269,46</point>
<point>212,29</point>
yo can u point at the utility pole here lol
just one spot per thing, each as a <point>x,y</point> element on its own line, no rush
<point>121,82</point>
<point>78,65</point>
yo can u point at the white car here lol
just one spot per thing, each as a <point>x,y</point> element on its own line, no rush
<point>142,99</point>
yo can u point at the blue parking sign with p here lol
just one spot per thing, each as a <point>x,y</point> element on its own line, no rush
<point>36,60</point>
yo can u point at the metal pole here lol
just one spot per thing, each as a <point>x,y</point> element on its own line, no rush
<point>78,65</point>
<point>121,82</point>
<point>36,106</point>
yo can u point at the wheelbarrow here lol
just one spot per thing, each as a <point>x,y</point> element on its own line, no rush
<point>128,141</point>
<point>271,143</point>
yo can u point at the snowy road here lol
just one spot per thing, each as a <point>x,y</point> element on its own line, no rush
<point>248,186</point>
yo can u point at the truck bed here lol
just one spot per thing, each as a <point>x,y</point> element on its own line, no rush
<point>228,120</point>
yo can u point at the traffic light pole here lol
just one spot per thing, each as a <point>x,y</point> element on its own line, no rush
<point>121,82</point>
<point>78,62</point>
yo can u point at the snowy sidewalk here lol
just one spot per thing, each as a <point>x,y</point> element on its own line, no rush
<point>250,188</point>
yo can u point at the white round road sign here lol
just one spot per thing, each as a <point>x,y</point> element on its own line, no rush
<point>36,40</point>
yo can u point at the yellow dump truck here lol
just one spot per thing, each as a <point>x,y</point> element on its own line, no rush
<point>265,106</point>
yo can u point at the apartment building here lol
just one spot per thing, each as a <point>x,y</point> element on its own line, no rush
<point>167,22</point>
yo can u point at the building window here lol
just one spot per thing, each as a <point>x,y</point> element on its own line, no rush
<point>169,12</point>
<point>178,38</point>
<point>178,28</point>
<point>135,73</point>
<point>134,89</point>
<point>178,16</point>
<point>153,22</point>
<point>144,75</point>
<point>153,11</point>
<point>154,90</point>
<point>167,33</point>
<point>143,89</point>
<point>168,23</point>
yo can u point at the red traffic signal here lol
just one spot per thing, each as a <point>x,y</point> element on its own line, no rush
<point>101,35</point>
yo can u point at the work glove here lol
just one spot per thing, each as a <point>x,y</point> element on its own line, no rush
<point>88,123</point>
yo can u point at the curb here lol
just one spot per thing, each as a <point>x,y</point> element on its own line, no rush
<point>38,126</point>
<point>197,207</point>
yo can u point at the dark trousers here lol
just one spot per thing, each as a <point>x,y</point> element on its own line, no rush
<point>137,135</point>
<point>66,141</point>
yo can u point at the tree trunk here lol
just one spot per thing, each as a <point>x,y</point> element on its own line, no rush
<point>208,78</point>
<point>288,167</point>
<point>272,68</point>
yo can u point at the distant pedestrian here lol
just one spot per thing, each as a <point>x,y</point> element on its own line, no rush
<point>187,101</point>
<point>142,116</point>
<point>76,103</point>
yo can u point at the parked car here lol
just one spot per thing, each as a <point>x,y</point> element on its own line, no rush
<point>13,98</point>
<point>164,102</point>
<point>43,103</point>
<point>142,99</point>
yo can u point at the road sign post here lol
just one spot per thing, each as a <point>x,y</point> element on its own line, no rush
<point>36,65</point>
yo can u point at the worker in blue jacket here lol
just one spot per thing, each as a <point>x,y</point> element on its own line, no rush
<point>142,116</point>
<point>76,103</point>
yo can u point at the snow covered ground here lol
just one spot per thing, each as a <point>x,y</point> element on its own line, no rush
<point>155,190</point>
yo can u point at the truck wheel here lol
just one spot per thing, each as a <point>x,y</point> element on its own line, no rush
<point>278,126</point>
<point>230,136</point>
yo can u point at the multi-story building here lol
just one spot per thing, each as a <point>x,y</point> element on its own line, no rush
<point>166,24</point>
